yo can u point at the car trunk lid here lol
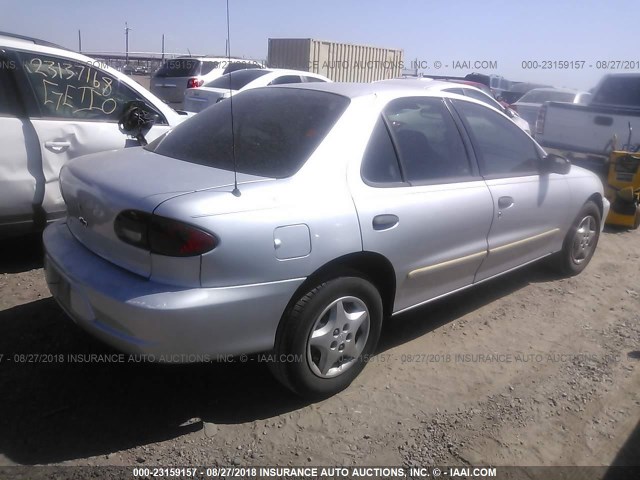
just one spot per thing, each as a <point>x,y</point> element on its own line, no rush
<point>96,191</point>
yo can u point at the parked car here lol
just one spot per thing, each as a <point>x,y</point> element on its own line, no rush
<point>197,99</point>
<point>467,88</point>
<point>176,75</point>
<point>321,210</point>
<point>584,131</point>
<point>528,106</point>
<point>56,105</point>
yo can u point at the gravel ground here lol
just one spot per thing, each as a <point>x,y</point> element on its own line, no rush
<point>529,369</point>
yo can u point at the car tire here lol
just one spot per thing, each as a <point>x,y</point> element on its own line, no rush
<point>581,241</point>
<point>326,337</point>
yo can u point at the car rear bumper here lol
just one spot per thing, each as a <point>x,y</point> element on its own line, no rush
<point>136,315</point>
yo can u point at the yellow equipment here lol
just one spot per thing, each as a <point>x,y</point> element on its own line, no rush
<point>623,189</point>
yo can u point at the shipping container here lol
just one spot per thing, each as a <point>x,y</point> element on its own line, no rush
<point>341,62</point>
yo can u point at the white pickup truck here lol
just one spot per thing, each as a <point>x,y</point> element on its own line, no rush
<point>585,131</point>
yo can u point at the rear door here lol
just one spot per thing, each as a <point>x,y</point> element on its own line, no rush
<point>530,208</point>
<point>76,111</point>
<point>421,202</point>
<point>20,169</point>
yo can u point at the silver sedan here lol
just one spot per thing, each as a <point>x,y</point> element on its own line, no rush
<point>321,210</point>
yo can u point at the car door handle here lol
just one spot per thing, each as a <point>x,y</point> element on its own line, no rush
<point>385,222</point>
<point>505,202</point>
<point>57,147</point>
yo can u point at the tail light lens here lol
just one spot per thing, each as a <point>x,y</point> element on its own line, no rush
<point>162,236</point>
<point>542,113</point>
<point>194,82</point>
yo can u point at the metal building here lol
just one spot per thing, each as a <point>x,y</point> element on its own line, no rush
<point>341,62</point>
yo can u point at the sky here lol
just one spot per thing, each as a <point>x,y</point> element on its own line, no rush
<point>506,33</point>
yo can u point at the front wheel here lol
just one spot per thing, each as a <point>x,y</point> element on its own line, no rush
<point>325,338</point>
<point>581,241</point>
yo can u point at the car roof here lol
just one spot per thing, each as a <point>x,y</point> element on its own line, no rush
<point>355,90</point>
<point>288,71</point>
<point>35,41</point>
<point>215,59</point>
<point>553,89</point>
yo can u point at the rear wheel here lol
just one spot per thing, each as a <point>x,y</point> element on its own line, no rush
<point>580,242</point>
<point>326,337</point>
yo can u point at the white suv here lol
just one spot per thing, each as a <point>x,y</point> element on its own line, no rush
<point>56,105</point>
<point>174,77</point>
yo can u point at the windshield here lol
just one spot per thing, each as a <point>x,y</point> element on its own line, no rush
<point>275,131</point>
<point>236,80</point>
<point>180,67</point>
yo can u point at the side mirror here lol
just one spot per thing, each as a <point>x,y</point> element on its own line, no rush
<point>553,163</point>
<point>136,120</point>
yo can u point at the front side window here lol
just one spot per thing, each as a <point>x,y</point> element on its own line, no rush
<point>275,131</point>
<point>502,148</point>
<point>427,139</point>
<point>313,79</point>
<point>73,90</point>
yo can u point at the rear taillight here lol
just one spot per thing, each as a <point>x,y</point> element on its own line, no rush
<point>542,114</point>
<point>194,82</point>
<point>163,236</point>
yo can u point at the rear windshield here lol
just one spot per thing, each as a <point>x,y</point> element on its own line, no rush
<point>236,80</point>
<point>180,67</point>
<point>622,91</point>
<point>547,96</point>
<point>275,131</point>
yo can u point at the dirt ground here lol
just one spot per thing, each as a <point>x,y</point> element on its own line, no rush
<point>529,369</point>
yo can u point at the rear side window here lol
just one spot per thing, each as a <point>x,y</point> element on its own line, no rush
<point>428,142</point>
<point>235,66</point>
<point>313,80</point>
<point>207,66</point>
<point>181,67</point>
<point>74,90</point>
<point>275,130</point>
<point>236,80</point>
<point>380,162</point>
<point>8,93</point>
<point>286,79</point>
<point>482,98</point>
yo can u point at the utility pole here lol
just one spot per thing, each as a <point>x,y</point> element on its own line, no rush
<point>126,36</point>
<point>163,48</point>
<point>79,42</point>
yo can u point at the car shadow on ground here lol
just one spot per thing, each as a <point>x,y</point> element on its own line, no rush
<point>56,407</point>
<point>21,254</point>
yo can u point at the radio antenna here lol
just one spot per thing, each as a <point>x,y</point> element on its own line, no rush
<point>235,190</point>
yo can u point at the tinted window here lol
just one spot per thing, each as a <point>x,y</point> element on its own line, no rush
<point>236,80</point>
<point>73,90</point>
<point>313,79</point>
<point>482,98</point>
<point>380,163</point>
<point>181,67</point>
<point>235,66</point>
<point>459,91</point>
<point>624,91</point>
<point>502,148</point>
<point>541,96</point>
<point>8,92</point>
<point>275,131</point>
<point>428,141</point>
<point>207,66</point>
<point>286,79</point>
